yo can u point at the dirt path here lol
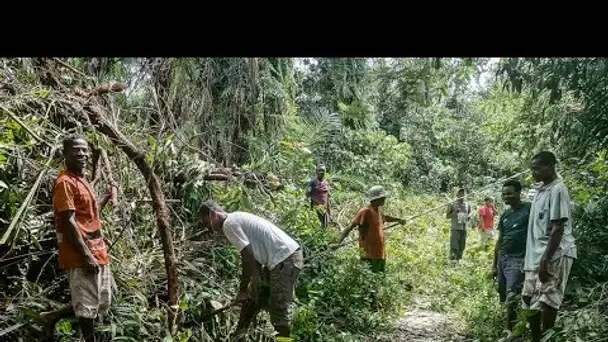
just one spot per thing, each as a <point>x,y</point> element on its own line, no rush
<point>422,325</point>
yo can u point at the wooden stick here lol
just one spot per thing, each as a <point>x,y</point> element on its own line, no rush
<point>106,164</point>
<point>169,200</point>
<point>71,68</point>
<point>11,328</point>
<point>96,168</point>
<point>25,127</point>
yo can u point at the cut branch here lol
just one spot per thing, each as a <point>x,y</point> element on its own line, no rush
<point>96,167</point>
<point>108,167</point>
<point>25,127</point>
<point>217,177</point>
<point>71,68</point>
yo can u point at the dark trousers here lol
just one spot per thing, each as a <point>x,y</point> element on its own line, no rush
<point>458,240</point>
<point>377,265</point>
<point>323,217</point>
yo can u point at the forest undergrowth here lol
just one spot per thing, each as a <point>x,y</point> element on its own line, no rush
<point>334,290</point>
<point>248,132</point>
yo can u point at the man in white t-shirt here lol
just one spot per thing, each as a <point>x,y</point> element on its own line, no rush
<point>265,250</point>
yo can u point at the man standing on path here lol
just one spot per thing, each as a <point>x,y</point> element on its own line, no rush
<point>267,254</point>
<point>370,221</point>
<point>82,250</point>
<point>550,246</point>
<point>486,221</point>
<point>511,248</point>
<point>318,192</point>
<point>458,212</point>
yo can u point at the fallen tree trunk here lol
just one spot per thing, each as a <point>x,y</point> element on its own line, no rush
<point>97,115</point>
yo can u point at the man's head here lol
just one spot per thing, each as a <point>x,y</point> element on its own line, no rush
<point>76,153</point>
<point>460,194</point>
<point>211,215</point>
<point>320,172</point>
<point>543,167</point>
<point>488,200</point>
<point>377,195</point>
<point>511,192</point>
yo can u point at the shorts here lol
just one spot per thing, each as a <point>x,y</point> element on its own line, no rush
<point>91,293</point>
<point>551,293</point>
<point>282,281</point>
<point>510,279</point>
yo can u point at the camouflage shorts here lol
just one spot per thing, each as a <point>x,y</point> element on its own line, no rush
<point>282,281</point>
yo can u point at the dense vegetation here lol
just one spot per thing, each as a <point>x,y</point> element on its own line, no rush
<point>420,127</point>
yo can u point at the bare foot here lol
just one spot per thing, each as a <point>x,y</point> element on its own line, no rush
<point>47,321</point>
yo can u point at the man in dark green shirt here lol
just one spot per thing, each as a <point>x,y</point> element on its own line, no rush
<point>511,248</point>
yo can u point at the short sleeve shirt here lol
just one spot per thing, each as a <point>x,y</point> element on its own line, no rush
<point>319,191</point>
<point>372,241</point>
<point>73,193</point>
<point>270,245</point>
<point>486,214</point>
<point>551,203</point>
<point>513,228</point>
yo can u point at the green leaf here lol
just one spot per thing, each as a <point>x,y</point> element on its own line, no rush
<point>3,185</point>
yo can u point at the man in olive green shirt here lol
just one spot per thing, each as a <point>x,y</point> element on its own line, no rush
<point>511,248</point>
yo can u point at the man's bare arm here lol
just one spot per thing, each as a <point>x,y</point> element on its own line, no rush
<point>72,233</point>
<point>555,237</point>
<point>496,249</point>
<point>309,193</point>
<point>102,205</point>
<point>388,218</point>
<point>250,268</point>
<point>346,232</point>
<point>449,212</point>
<point>112,195</point>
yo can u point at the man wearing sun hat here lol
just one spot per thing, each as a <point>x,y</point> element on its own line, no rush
<point>370,221</point>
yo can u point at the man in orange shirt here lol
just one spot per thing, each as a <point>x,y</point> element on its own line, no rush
<point>83,253</point>
<point>370,221</point>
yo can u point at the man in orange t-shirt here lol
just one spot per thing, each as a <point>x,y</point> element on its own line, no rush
<point>82,253</point>
<point>370,221</point>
